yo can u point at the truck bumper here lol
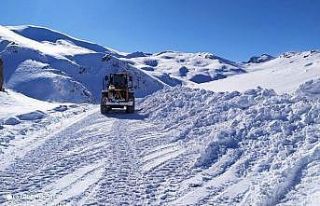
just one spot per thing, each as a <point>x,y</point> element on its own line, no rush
<point>130,103</point>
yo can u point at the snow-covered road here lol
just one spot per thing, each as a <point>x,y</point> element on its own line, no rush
<point>109,160</point>
<point>185,147</point>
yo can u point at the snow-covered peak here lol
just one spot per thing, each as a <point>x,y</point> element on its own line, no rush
<point>187,67</point>
<point>283,74</point>
<point>42,34</point>
<point>295,54</point>
<point>137,54</point>
<point>260,59</point>
<point>61,68</point>
<point>58,49</point>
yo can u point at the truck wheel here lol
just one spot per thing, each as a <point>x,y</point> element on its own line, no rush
<point>130,109</point>
<point>104,109</point>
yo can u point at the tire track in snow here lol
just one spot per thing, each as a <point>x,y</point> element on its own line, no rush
<point>164,162</point>
<point>106,160</point>
<point>28,177</point>
<point>71,187</point>
<point>123,181</point>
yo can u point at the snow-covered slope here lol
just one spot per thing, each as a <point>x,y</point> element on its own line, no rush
<point>64,43</point>
<point>13,103</point>
<point>65,69</point>
<point>283,74</point>
<point>187,67</point>
<point>73,69</point>
<point>54,67</point>
<point>41,81</point>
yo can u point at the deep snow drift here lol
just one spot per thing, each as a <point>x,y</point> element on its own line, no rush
<point>256,147</point>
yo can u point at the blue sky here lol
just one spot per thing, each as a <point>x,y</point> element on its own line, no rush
<point>234,29</point>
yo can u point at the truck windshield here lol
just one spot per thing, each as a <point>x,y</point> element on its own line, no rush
<point>119,80</point>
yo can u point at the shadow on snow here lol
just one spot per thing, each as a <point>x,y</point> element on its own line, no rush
<point>122,114</point>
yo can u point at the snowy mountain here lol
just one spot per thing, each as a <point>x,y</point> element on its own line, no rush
<point>55,67</point>
<point>284,74</point>
<point>61,68</point>
<point>187,67</point>
<point>65,69</point>
<point>44,35</point>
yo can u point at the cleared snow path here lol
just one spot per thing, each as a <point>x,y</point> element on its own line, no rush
<point>98,159</point>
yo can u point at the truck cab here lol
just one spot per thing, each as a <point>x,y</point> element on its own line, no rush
<point>117,93</point>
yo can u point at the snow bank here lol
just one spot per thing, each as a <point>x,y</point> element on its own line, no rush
<point>21,116</point>
<point>270,136</point>
<point>13,103</point>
